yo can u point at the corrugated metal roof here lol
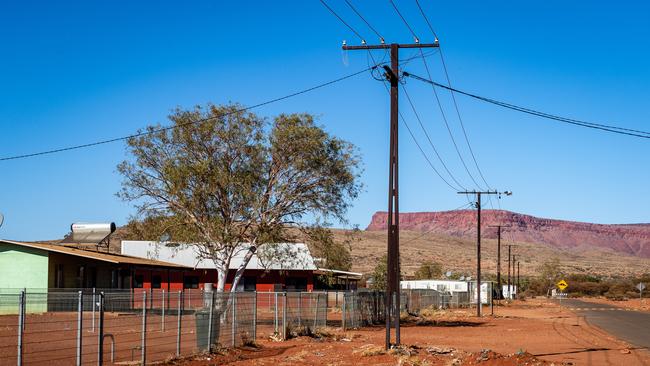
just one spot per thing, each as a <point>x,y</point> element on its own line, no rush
<point>286,256</point>
<point>104,257</point>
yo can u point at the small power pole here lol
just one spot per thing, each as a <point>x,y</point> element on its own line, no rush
<point>499,287</point>
<point>478,242</point>
<point>392,301</point>
<point>514,277</point>
<point>518,283</point>
<point>509,282</point>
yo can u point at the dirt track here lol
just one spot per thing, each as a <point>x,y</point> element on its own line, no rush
<point>537,327</point>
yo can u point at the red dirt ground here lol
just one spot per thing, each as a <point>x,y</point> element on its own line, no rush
<point>534,332</point>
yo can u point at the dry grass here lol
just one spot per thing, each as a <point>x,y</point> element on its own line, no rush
<point>458,254</point>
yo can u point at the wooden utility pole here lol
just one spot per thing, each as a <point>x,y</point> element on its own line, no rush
<point>499,287</point>
<point>518,283</point>
<point>514,277</point>
<point>478,243</point>
<point>392,301</point>
<point>509,257</point>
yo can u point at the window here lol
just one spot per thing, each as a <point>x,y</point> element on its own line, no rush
<point>138,281</point>
<point>296,284</point>
<point>156,281</point>
<point>190,282</point>
<point>58,280</point>
<point>247,283</point>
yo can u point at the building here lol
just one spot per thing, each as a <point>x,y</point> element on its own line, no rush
<point>292,268</point>
<point>43,266</point>
<point>453,287</point>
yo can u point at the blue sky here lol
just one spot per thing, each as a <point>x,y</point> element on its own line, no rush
<point>76,72</point>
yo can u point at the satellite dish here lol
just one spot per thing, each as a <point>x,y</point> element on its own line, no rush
<point>462,278</point>
<point>448,274</point>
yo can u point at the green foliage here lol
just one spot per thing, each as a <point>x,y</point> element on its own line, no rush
<point>429,270</point>
<point>235,178</point>
<point>331,253</point>
<point>550,273</point>
<point>380,274</point>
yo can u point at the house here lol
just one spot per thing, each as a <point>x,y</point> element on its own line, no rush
<point>453,287</point>
<point>274,267</point>
<point>40,267</point>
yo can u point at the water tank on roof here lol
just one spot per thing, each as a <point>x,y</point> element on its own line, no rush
<point>91,233</point>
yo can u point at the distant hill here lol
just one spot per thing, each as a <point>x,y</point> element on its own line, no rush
<point>628,239</point>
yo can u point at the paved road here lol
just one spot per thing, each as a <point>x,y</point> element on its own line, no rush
<point>630,326</point>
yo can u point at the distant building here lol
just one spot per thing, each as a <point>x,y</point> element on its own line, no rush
<point>292,269</point>
<point>463,289</point>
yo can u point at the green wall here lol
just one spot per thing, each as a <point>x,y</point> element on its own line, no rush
<point>21,267</point>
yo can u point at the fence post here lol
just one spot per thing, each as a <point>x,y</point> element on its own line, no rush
<point>163,310</point>
<point>100,334</point>
<point>21,319</point>
<point>209,342</point>
<point>343,313</point>
<point>491,299</point>
<point>276,313</point>
<point>255,316</point>
<point>143,345</point>
<point>284,316</point>
<point>80,310</point>
<point>300,308</point>
<point>315,310</point>
<point>93,307</point>
<point>178,324</point>
<point>233,326</point>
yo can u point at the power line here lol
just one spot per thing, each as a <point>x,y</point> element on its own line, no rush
<point>417,40</point>
<point>426,19</point>
<point>149,132</point>
<point>408,128</point>
<point>597,126</point>
<point>417,117</point>
<point>342,21</point>
<point>444,118</point>
<point>453,97</point>
<point>381,39</point>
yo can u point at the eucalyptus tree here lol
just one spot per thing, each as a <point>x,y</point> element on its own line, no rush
<point>225,181</point>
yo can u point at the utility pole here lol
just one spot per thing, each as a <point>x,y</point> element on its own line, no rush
<point>478,242</point>
<point>514,277</point>
<point>499,287</point>
<point>509,256</point>
<point>518,283</point>
<point>392,301</point>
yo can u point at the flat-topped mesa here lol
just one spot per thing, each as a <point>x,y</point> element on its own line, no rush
<point>632,239</point>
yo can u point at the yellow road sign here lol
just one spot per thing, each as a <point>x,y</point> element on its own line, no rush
<point>562,285</point>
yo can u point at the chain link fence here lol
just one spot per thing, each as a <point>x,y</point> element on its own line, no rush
<point>93,326</point>
<point>87,327</point>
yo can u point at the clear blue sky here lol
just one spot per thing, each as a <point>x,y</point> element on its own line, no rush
<point>75,72</point>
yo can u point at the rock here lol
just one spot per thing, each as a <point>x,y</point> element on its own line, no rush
<point>526,228</point>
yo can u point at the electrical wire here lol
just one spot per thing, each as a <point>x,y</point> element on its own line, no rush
<point>153,131</point>
<point>417,117</point>
<point>426,19</point>
<point>597,126</point>
<point>342,21</point>
<point>387,90</point>
<point>381,39</point>
<point>453,97</point>
<point>444,118</point>
<point>417,40</point>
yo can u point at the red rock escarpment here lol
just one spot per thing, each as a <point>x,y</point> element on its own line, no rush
<point>633,239</point>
